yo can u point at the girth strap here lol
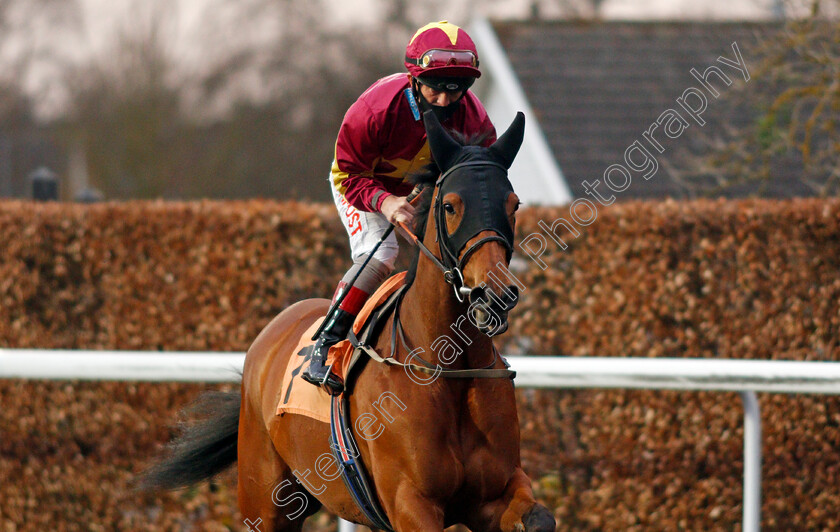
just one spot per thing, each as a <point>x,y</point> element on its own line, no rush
<point>345,450</point>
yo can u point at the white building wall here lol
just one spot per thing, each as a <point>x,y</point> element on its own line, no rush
<point>535,174</point>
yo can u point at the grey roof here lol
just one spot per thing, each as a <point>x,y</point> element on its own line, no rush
<point>597,86</point>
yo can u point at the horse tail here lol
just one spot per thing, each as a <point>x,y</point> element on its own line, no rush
<point>203,449</point>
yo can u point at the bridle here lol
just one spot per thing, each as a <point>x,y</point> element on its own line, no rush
<point>452,265</point>
<point>452,262</point>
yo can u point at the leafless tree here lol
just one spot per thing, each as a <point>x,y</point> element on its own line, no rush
<point>254,113</point>
<point>795,101</point>
<point>253,121</point>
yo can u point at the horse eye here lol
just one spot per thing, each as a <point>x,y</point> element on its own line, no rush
<point>449,208</point>
<point>516,207</point>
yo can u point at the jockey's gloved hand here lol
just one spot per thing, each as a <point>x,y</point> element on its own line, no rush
<point>397,209</point>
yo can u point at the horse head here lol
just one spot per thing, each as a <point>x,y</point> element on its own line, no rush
<point>473,212</point>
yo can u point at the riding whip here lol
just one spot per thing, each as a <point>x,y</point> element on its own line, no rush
<point>411,197</point>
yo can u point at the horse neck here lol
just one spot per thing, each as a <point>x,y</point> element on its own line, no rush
<point>430,311</point>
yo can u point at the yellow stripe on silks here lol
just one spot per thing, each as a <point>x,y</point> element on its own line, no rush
<point>405,167</point>
<point>451,30</point>
<point>402,168</point>
<point>338,177</point>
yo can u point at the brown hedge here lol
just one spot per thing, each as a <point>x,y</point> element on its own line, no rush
<point>751,279</point>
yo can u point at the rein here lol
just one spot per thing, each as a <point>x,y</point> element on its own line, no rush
<point>452,268</point>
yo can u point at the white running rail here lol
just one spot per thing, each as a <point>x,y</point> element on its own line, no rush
<point>722,375</point>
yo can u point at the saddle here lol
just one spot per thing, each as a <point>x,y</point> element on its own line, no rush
<point>300,397</point>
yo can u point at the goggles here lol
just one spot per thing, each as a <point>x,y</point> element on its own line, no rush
<point>447,84</point>
<point>436,58</point>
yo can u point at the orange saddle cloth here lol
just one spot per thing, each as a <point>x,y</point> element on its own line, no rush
<point>300,397</point>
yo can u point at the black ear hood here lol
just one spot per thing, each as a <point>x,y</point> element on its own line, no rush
<point>480,182</point>
<point>507,146</point>
<point>445,150</point>
<point>484,190</point>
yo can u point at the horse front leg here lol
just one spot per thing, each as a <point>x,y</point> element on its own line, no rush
<point>515,511</point>
<point>412,511</point>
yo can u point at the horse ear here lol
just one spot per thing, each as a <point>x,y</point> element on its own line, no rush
<point>507,146</point>
<point>444,148</point>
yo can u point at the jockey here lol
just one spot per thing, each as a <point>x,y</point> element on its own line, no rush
<point>381,142</point>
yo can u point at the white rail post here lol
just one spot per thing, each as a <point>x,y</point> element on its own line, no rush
<point>752,462</point>
<point>346,526</point>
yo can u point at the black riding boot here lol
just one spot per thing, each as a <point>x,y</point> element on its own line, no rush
<point>317,373</point>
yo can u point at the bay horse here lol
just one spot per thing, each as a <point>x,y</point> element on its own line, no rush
<point>447,450</point>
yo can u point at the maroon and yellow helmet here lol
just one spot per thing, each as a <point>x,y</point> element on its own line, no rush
<point>441,49</point>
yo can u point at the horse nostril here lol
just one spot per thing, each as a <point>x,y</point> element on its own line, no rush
<point>506,300</point>
<point>477,294</point>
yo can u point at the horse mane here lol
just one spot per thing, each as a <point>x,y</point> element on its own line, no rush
<point>426,178</point>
